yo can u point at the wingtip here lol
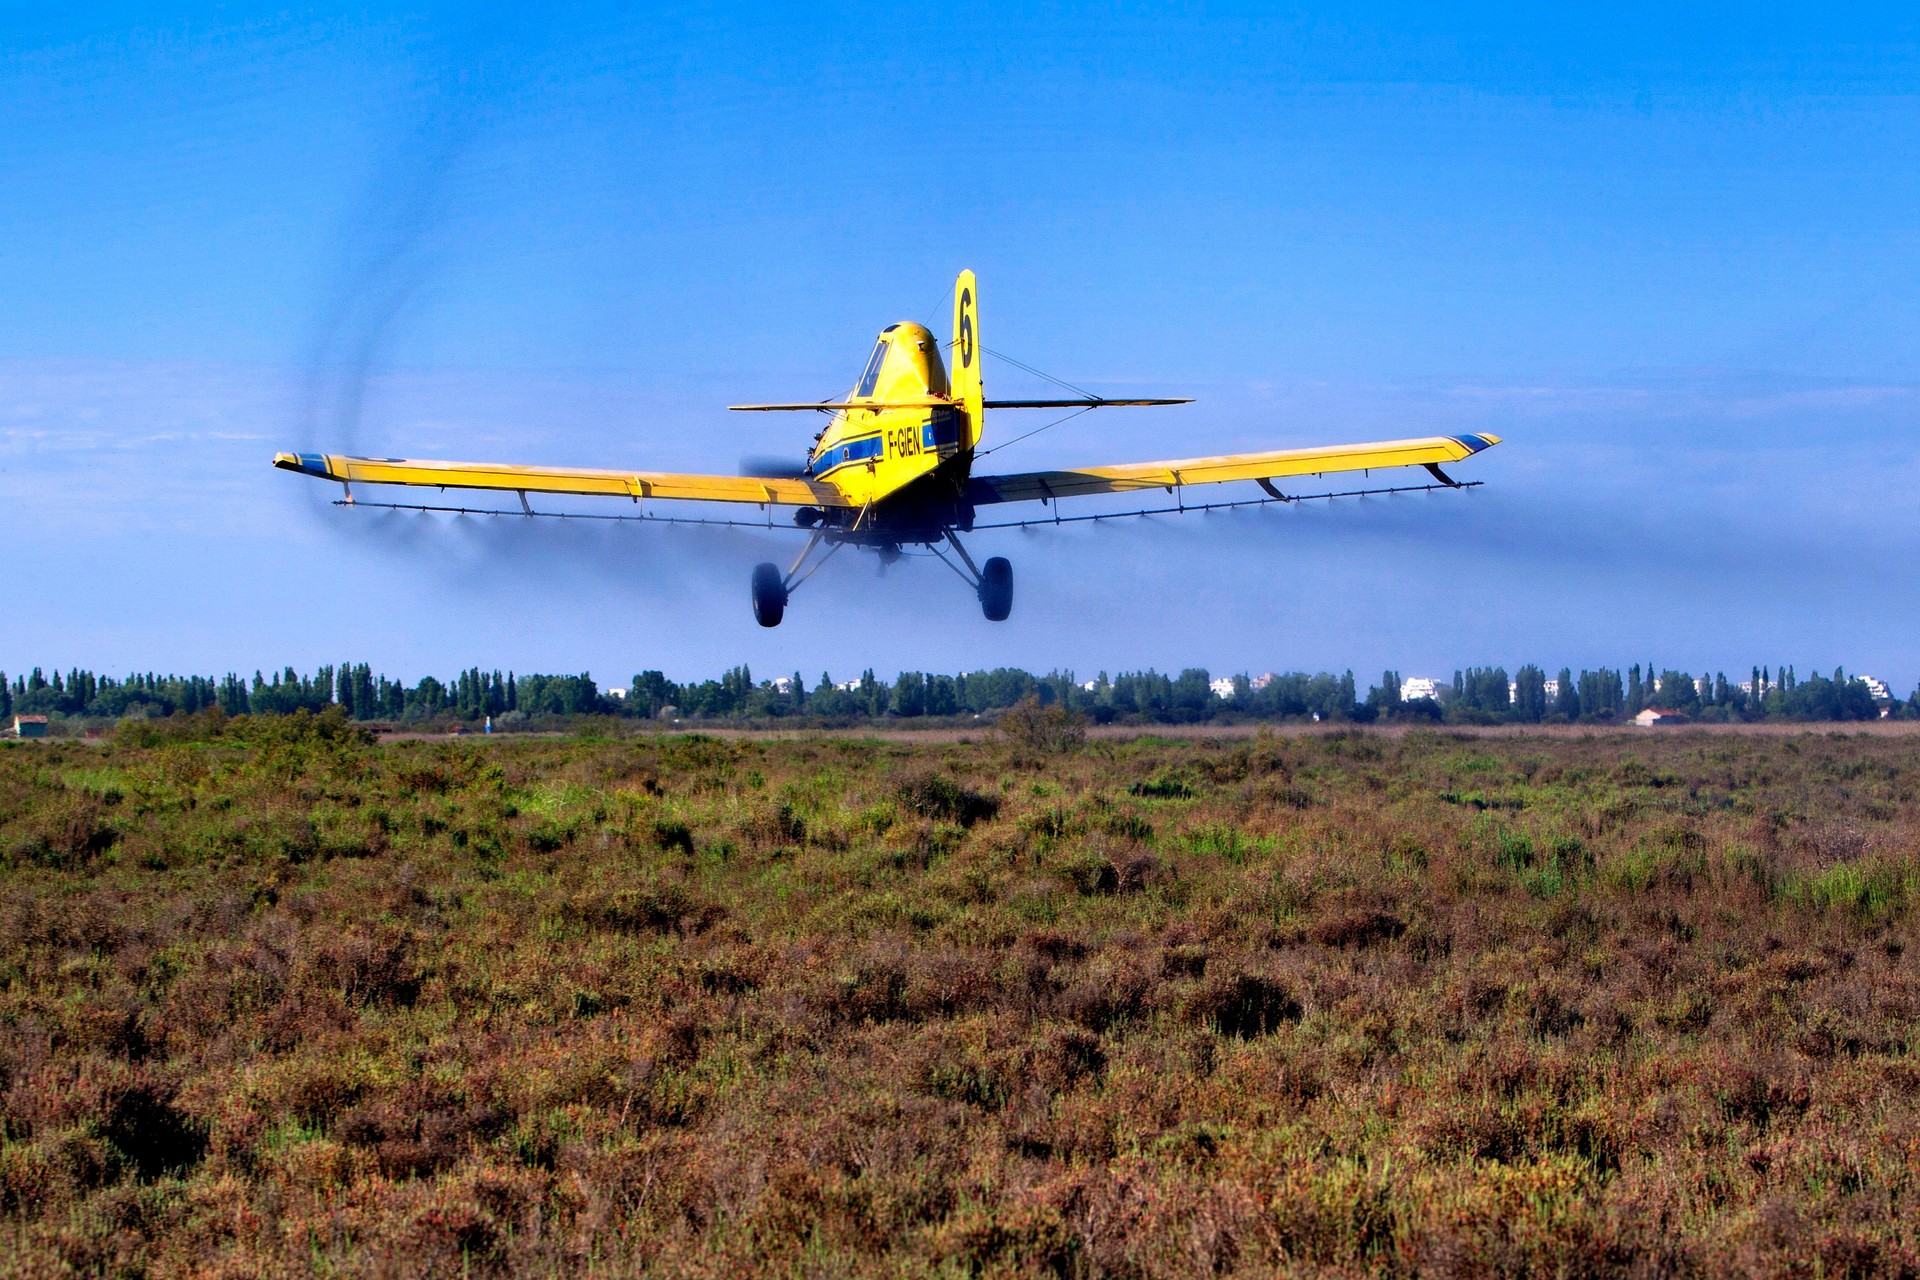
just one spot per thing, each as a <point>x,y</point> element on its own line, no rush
<point>306,464</point>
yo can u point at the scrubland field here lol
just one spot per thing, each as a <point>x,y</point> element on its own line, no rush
<point>277,1000</point>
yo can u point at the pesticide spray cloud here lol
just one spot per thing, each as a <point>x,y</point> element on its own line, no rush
<point>406,246</point>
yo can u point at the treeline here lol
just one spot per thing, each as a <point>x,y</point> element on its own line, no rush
<point>1476,695</point>
<point>472,695</point>
<point>1487,695</point>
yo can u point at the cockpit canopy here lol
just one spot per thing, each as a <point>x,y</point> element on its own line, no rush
<point>905,365</point>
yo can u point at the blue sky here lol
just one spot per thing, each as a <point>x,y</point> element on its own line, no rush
<point>1670,257</point>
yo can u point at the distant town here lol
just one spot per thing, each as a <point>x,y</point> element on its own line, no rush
<point>38,704</point>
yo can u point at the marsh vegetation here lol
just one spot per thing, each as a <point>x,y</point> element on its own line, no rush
<point>277,999</point>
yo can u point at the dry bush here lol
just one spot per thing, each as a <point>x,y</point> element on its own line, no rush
<point>1047,730</point>
<point>931,795</point>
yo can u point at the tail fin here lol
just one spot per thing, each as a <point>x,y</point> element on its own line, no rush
<point>964,385</point>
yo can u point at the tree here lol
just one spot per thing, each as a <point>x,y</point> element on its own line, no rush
<point>233,696</point>
<point>1678,692</point>
<point>1384,697</point>
<point>1481,694</point>
<point>910,694</point>
<point>1566,698</point>
<point>1193,694</point>
<point>1530,694</point>
<point>647,694</point>
<point>943,696</point>
<point>873,694</point>
<point>1603,695</point>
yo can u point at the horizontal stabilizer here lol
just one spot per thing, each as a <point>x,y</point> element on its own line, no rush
<point>1085,402</point>
<point>831,406</point>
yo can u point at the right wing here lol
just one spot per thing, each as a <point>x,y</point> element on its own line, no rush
<point>1272,464</point>
<point>577,480</point>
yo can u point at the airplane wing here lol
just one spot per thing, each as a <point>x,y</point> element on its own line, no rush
<point>1043,486</point>
<point>1084,402</point>
<point>578,480</point>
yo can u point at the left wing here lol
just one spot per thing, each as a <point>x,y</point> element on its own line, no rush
<point>578,480</point>
<point>1029,486</point>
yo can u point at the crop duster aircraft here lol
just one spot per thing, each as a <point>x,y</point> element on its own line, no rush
<point>894,467</point>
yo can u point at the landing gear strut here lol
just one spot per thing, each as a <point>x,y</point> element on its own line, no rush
<point>993,583</point>
<point>772,589</point>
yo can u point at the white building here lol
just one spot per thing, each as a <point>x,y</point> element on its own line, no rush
<point>617,693</point>
<point>1223,687</point>
<point>1415,687</point>
<point>1658,715</point>
<point>1875,686</point>
<point>783,684</point>
<point>1552,687</point>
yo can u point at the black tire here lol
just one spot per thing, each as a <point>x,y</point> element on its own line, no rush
<point>996,589</point>
<point>769,595</point>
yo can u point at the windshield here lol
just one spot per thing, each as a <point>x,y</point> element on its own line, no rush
<point>872,375</point>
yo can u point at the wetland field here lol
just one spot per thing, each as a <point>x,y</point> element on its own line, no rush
<point>279,999</point>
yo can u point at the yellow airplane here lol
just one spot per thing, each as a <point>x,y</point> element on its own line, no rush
<point>894,467</point>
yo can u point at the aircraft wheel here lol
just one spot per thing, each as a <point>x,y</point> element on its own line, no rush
<point>769,595</point>
<point>996,589</point>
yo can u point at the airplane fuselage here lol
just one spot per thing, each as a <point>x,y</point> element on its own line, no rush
<point>902,452</point>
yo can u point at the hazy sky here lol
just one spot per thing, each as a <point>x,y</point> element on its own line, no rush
<point>1672,258</point>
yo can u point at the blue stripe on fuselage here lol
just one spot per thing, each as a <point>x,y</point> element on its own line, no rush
<point>842,455</point>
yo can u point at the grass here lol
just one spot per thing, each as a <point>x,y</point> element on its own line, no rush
<point>277,999</point>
